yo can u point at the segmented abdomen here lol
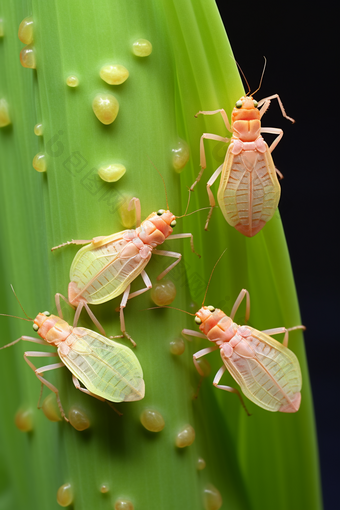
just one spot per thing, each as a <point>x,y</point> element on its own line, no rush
<point>106,368</point>
<point>249,191</point>
<point>101,274</point>
<point>271,379</point>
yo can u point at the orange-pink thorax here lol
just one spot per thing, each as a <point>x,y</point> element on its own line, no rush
<point>216,325</point>
<point>245,121</point>
<point>156,228</point>
<point>52,329</point>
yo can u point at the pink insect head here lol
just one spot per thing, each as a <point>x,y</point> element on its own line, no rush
<point>163,222</point>
<point>51,328</point>
<point>209,318</point>
<point>246,107</point>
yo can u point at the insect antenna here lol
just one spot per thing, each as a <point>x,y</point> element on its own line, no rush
<point>16,297</point>
<point>193,212</point>
<point>213,269</point>
<point>16,317</point>
<point>172,308</point>
<point>166,195</point>
<point>186,210</point>
<point>264,67</point>
<point>244,76</point>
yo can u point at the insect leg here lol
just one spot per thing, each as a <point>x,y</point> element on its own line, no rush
<point>167,253</point>
<point>57,303</point>
<point>198,355</point>
<point>267,100</point>
<point>191,332</point>
<point>203,161</point>
<point>27,339</point>
<point>277,331</point>
<point>127,296</point>
<point>77,241</point>
<point>94,319</point>
<point>136,203</point>
<point>77,314</point>
<point>217,379</point>
<point>237,303</point>
<point>81,305</point>
<point>210,194</point>
<point>273,131</point>
<point>183,236</point>
<point>121,314</point>
<point>147,282</point>
<point>84,390</point>
<point>264,108</point>
<point>201,353</point>
<point>222,112</point>
<point>37,371</point>
<point>44,369</point>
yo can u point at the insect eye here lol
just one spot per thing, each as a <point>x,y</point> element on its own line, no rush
<point>46,313</point>
<point>173,223</point>
<point>238,104</point>
<point>255,103</point>
<point>198,320</point>
<point>160,212</point>
<point>35,327</point>
<point>211,308</point>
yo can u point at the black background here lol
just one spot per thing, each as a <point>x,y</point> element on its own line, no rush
<point>299,42</point>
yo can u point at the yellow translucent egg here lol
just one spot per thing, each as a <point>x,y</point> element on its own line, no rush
<point>114,74</point>
<point>39,162</point>
<point>105,107</point>
<point>185,437</point>
<point>27,57</point>
<point>50,408</point>
<point>163,293</point>
<point>72,81</point>
<point>25,32</point>
<point>24,419</point>
<point>78,418</point>
<point>180,155</point>
<point>1,27</point>
<point>111,173</point>
<point>123,504</point>
<point>205,366</point>
<point>152,420</point>
<point>200,464</point>
<point>212,498</point>
<point>142,48</point>
<point>65,495</point>
<point>104,488</point>
<point>127,217</point>
<point>177,346</point>
<point>4,113</point>
<point>38,129</point>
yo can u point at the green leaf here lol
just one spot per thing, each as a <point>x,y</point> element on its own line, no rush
<point>265,461</point>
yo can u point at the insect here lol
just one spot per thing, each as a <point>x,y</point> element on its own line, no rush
<point>249,190</point>
<point>266,370</point>
<point>105,268</point>
<point>108,370</point>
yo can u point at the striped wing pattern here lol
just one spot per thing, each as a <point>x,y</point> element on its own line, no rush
<point>106,368</point>
<point>272,378</point>
<point>102,274</point>
<point>248,195</point>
